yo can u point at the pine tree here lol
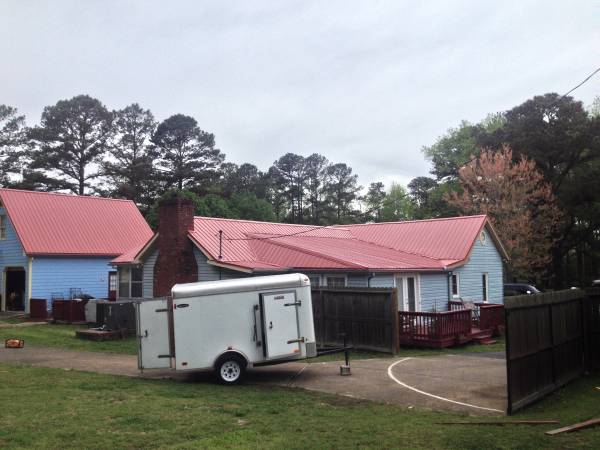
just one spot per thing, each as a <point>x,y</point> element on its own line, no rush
<point>71,142</point>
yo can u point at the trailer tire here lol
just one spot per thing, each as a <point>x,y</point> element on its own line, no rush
<point>230,369</point>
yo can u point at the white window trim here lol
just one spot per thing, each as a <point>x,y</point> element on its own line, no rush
<point>487,287</point>
<point>457,285</point>
<point>336,275</point>
<point>417,278</point>
<point>3,227</point>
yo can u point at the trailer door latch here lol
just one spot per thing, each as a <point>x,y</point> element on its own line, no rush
<point>298,303</point>
<point>294,341</point>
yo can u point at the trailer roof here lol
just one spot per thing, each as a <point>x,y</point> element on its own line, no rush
<point>266,283</point>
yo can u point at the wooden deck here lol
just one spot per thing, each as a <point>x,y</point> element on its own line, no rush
<point>448,328</point>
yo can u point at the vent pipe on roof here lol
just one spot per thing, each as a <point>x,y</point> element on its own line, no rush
<point>220,244</point>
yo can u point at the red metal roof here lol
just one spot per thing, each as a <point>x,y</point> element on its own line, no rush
<point>448,239</point>
<point>62,224</point>
<point>399,246</point>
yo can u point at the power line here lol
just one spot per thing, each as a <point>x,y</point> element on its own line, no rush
<point>329,226</point>
<point>576,87</point>
<point>583,82</point>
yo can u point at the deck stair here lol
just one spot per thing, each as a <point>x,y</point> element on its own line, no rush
<point>482,336</point>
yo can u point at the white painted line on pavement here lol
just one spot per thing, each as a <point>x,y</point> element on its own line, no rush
<point>391,375</point>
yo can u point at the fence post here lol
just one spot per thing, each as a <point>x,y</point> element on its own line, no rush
<point>323,327</point>
<point>551,306</point>
<point>395,326</point>
<point>586,315</point>
<point>508,363</point>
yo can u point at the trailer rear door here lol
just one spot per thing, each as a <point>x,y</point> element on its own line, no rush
<point>153,334</point>
<point>280,324</point>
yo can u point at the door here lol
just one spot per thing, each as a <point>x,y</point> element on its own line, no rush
<point>280,324</point>
<point>15,289</point>
<point>113,284</point>
<point>153,334</point>
<point>408,292</point>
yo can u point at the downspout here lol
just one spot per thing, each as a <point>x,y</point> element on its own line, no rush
<point>448,278</point>
<point>369,277</point>
<point>29,283</point>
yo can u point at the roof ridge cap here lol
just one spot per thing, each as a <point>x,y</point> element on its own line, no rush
<point>434,219</point>
<point>397,250</point>
<point>300,225</point>
<point>67,195</point>
<point>313,253</point>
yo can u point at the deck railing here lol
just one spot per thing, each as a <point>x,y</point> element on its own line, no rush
<point>443,329</point>
<point>486,316</point>
<point>491,316</point>
<point>438,329</point>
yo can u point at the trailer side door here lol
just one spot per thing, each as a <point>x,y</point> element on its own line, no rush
<point>280,324</point>
<point>153,334</point>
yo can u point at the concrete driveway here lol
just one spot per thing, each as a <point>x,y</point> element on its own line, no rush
<point>471,384</point>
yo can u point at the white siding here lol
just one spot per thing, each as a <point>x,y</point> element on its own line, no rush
<point>148,271</point>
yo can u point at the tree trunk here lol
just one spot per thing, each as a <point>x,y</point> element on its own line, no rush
<point>81,180</point>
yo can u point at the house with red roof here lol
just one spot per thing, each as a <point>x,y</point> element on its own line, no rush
<point>428,261</point>
<point>58,245</point>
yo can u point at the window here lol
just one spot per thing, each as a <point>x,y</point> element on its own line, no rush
<point>112,281</point>
<point>335,281</point>
<point>130,282</point>
<point>137,275</point>
<point>2,227</point>
<point>411,293</point>
<point>124,274</point>
<point>455,285</point>
<point>407,287</point>
<point>315,281</point>
<point>484,282</point>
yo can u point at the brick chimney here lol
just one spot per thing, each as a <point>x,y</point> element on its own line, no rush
<point>176,262</point>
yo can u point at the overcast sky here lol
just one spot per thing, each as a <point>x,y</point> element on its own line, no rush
<point>367,83</point>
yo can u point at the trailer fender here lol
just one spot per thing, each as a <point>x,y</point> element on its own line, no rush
<point>231,352</point>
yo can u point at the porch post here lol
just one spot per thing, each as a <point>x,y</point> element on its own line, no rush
<point>29,283</point>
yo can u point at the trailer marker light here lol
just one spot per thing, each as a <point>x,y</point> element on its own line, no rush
<point>296,350</point>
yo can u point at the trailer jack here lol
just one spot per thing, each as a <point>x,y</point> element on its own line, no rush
<point>344,369</point>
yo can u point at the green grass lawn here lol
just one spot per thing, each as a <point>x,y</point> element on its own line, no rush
<point>63,336</point>
<point>52,408</point>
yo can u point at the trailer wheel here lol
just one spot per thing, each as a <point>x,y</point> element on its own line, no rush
<point>230,369</point>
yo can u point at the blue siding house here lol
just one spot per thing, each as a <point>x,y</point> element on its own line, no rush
<point>56,245</point>
<point>429,262</point>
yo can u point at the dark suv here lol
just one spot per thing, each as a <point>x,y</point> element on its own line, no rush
<point>511,289</point>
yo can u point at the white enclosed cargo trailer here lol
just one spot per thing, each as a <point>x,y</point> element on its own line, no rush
<point>228,325</point>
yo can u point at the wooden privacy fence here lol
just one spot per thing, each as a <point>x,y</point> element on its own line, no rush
<point>368,317</point>
<point>545,343</point>
<point>592,311</point>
